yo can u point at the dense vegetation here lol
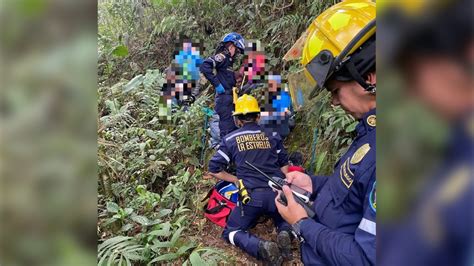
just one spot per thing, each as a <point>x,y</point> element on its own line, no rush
<point>150,175</point>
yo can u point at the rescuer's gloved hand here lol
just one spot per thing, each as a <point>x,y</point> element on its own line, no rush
<point>220,89</point>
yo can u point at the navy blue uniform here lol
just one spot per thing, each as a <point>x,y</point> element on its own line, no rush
<point>343,230</point>
<point>224,76</point>
<point>266,152</point>
<point>439,230</point>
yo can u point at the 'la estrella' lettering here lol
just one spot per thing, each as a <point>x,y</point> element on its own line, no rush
<point>252,142</point>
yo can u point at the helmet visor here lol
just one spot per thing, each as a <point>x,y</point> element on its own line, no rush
<point>319,69</point>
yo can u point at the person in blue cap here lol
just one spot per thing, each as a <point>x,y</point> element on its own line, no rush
<point>275,116</point>
<point>251,143</point>
<point>223,79</point>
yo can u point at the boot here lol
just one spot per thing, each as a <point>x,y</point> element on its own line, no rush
<point>284,243</point>
<point>270,253</point>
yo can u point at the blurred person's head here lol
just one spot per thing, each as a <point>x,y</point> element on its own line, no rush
<point>231,48</point>
<point>339,54</point>
<point>433,46</point>
<point>442,83</point>
<point>274,82</point>
<point>254,60</point>
<point>351,96</point>
<point>233,43</point>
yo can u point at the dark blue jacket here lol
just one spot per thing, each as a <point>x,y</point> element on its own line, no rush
<point>343,230</point>
<point>251,143</point>
<point>224,75</point>
<point>438,230</point>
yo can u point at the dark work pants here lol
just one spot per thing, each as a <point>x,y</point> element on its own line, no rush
<point>224,106</point>
<point>236,230</point>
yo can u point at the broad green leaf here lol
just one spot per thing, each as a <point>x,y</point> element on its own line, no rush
<point>126,227</point>
<point>156,247</point>
<point>111,220</point>
<point>151,134</point>
<point>134,83</point>
<point>176,235</point>
<point>196,259</point>
<point>156,221</point>
<point>112,207</point>
<point>120,51</point>
<point>128,211</point>
<point>163,231</point>
<point>183,249</point>
<point>141,219</point>
<point>164,212</point>
<point>351,127</point>
<point>165,257</point>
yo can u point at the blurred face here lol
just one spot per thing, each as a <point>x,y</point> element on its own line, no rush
<point>232,49</point>
<point>239,123</point>
<point>272,85</point>
<point>442,84</point>
<point>352,97</point>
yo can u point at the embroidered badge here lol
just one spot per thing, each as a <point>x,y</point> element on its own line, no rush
<point>345,174</point>
<point>219,57</point>
<point>360,153</point>
<point>373,198</point>
<point>371,120</point>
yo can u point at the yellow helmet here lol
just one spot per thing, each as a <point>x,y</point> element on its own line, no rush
<point>334,36</point>
<point>246,104</point>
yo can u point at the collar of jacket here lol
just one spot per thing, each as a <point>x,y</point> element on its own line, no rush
<point>250,125</point>
<point>367,123</point>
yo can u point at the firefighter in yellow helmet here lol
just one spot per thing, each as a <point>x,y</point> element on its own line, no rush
<point>339,55</point>
<point>266,151</point>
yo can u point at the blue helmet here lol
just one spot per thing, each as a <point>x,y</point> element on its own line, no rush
<point>228,190</point>
<point>236,39</point>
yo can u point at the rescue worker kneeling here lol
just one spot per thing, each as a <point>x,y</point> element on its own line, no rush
<point>251,143</point>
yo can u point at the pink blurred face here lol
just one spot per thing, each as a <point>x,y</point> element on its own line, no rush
<point>440,84</point>
<point>187,46</point>
<point>257,60</point>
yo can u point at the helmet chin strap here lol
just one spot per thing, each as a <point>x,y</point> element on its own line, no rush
<point>358,77</point>
<point>372,88</point>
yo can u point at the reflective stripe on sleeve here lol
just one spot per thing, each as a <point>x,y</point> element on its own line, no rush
<point>231,236</point>
<point>368,226</point>
<point>224,155</point>
<point>242,132</point>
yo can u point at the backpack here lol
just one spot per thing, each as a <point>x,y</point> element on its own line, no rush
<point>223,198</point>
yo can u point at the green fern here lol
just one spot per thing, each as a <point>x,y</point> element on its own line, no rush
<point>120,250</point>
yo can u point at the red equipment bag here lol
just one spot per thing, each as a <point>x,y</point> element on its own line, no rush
<point>218,208</point>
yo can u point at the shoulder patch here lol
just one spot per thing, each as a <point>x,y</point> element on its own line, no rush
<point>360,153</point>
<point>371,120</point>
<point>219,57</point>
<point>373,198</point>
